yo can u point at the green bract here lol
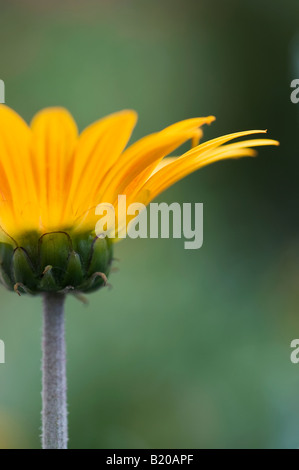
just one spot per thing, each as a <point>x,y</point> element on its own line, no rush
<point>55,262</point>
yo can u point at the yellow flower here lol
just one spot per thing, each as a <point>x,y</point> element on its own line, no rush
<point>52,179</point>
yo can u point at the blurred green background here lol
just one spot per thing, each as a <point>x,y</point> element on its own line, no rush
<point>190,349</point>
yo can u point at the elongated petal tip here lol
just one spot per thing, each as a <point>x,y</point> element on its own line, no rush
<point>211,119</point>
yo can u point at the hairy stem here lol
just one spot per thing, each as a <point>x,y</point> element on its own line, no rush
<point>54,411</point>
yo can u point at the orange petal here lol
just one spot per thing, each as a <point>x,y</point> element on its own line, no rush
<point>16,178</point>
<point>190,162</point>
<point>54,139</point>
<point>98,148</point>
<point>148,151</point>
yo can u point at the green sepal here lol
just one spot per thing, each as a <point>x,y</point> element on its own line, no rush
<point>5,279</point>
<point>30,242</point>
<point>6,253</point>
<point>54,249</point>
<point>94,282</point>
<point>83,245</point>
<point>100,257</point>
<point>73,273</point>
<point>48,283</point>
<point>23,270</point>
<point>20,289</point>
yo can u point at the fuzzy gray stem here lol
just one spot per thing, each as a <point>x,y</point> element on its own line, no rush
<point>54,412</point>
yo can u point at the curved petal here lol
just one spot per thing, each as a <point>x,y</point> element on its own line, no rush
<point>149,151</point>
<point>54,138</point>
<point>193,160</point>
<point>99,146</point>
<point>16,178</point>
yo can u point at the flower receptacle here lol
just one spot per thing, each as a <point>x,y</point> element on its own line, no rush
<point>55,262</point>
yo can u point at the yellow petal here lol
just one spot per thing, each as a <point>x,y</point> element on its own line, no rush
<point>146,152</point>
<point>99,146</point>
<point>16,180</point>
<point>54,139</point>
<point>193,160</point>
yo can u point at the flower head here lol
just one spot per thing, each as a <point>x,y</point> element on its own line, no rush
<point>52,178</point>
